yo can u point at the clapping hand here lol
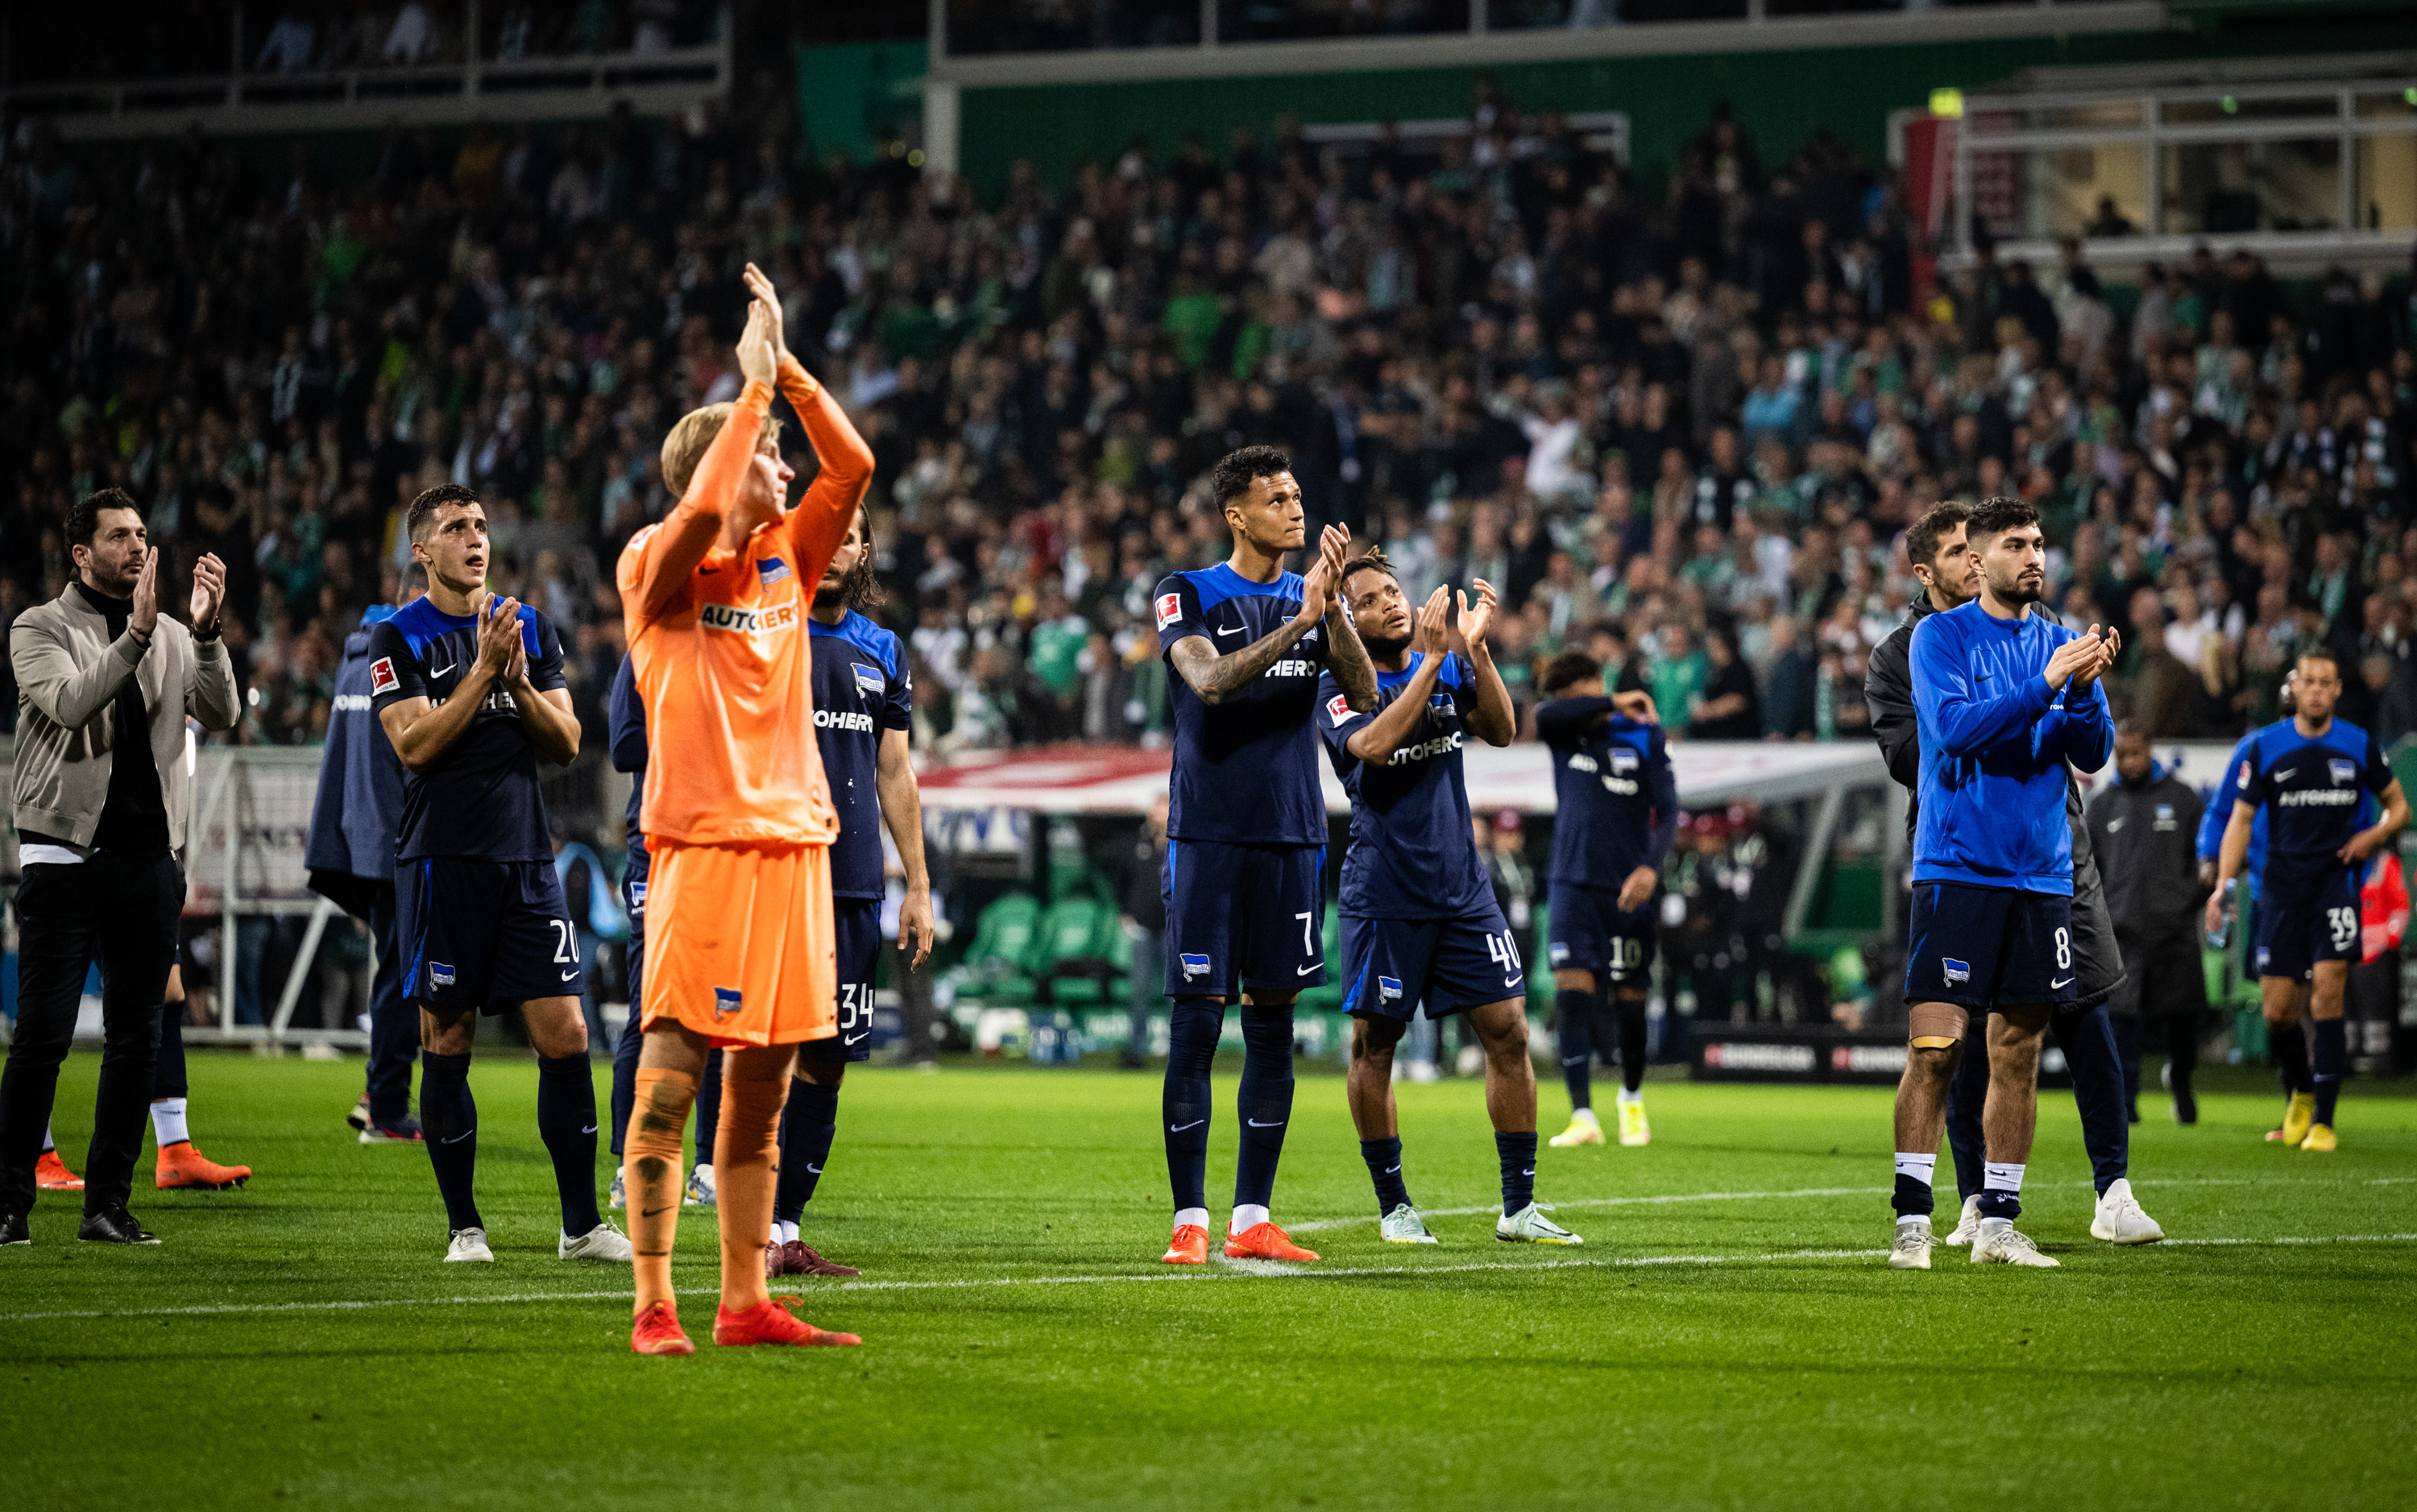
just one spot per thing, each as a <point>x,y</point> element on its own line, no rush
<point>210,593</point>
<point>1433,624</point>
<point>1475,619</point>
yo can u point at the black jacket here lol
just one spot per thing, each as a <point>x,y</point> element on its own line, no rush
<point>2147,836</point>
<point>1888,691</point>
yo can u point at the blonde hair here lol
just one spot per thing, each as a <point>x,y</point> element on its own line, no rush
<point>690,439</point>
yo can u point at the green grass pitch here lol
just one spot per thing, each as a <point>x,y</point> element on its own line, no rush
<point>1729,1336</point>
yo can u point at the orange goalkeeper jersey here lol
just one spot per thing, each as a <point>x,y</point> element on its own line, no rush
<point>718,638</point>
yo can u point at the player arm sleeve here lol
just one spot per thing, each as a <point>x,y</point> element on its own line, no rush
<point>394,672</point>
<point>1174,608</point>
<point>1962,722</point>
<point>2088,731</point>
<point>1890,701</point>
<point>658,563</point>
<point>2380,776</point>
<point>626,720</point>
<point>898,701</point>
<point>1565,720</point>
<point>544,655</point>
<point>2219,807</point>
<point>820,523</point>
<point>1338,721</point>
<point>1661,785</point>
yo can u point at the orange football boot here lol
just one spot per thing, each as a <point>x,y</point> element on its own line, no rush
<point>181,1165</point>
<point>1190,1246</point>
<point>52,1174</point>
<point>769,1323</point>
<point>1265,1241</point>
<point>658,1332</point>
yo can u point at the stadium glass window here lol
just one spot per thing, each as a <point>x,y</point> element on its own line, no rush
<point>979,27</point>
<point>2214,187</point>
<point>2386,167</point>
<point>1275,21</point>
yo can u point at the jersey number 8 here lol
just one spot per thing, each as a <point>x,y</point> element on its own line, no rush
<point>2063,949</point>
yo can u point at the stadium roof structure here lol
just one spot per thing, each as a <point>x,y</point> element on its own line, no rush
<point>1095,779</point>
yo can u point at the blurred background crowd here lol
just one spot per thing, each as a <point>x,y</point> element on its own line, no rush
<point>1683,429</point>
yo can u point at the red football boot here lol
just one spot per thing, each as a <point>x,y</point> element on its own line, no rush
<point>52,1174</point>
<point>657,1331</point>
<point>181,1165</point>
<point>769,1323</point>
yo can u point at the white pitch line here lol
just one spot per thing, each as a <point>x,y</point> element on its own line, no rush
<point>1316,1225</point>
<point>1222,1272</point>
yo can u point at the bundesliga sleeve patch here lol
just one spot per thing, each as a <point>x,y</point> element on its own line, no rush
<point>382,678</point>
<point>1338,708</point>
<point>1170,609</point>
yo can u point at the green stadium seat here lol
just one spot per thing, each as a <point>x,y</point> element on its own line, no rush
<point>1071,950</point>
<point>997,966</point>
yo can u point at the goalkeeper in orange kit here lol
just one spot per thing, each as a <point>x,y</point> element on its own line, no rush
<point>737,814</point>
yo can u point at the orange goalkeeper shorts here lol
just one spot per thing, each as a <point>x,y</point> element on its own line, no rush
<point>739,945</point>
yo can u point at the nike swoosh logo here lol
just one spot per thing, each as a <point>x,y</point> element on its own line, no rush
<point>851,1039</point>
<point>1530,1171</point>
<point>590,1129</point>
<point>568,975</point>
<point>1256,1124</point>
<point>2286,773</point>
<point>1311,967</point>
<point>2114,824</point>
<point>707,573</point>
<point>2064,981</point>
<point>653,1211</point>
<point>816,1169</point>
<point>1236,630</point>
<point>1177,1129</point>
<point>457,1138</point>
<point>1390,1169</point>
<point>439,672</point>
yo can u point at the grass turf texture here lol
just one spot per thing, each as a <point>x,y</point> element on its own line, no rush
<point>2238,1372</point>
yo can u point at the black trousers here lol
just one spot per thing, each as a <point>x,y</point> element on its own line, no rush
<point>122,911</point>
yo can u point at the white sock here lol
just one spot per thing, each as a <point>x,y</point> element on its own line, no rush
<point>1920,1167</point>
<point>1992,1227</point>
<point>1629,1099</point>
<point>2001,1178</point>
<point>785,1232</point>
<point>48,1143</point>
<point>168,1121</point>
<point>1247,1216</point>
<point>1917,1219</point>
<point>705,1170</point>
<point>1196,1217</point>
<point>1587,1113</point>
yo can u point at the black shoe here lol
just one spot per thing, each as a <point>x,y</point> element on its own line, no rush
<point>2185,1107</point>
<point>358,1118</point>
<point>13,1230</point>
<point>114,1225</point>
<point>1132,1060</point>
<point>2132,1112</point>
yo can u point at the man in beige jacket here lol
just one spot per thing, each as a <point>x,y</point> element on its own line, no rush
<point>104,684</point>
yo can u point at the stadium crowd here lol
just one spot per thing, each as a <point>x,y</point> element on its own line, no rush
<point>1678,415</point>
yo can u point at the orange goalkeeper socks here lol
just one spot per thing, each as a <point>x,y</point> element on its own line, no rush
<point>746,1161</point>
<point>651,1168</point>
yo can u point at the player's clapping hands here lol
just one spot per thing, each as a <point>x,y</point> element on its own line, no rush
<point>499,637</point>
<point>759,348</point>
<point>2079,661</point>
<point>1430,630</point>
<point>769,300</point>
<point>1475,618</point>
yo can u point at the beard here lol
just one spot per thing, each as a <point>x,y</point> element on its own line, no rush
<point>2020,591</point>
<point>1385,648</point>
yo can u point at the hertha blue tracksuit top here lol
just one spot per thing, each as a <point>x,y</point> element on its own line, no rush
<point>1995,741</point>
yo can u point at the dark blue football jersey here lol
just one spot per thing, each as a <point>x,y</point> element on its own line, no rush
<point>860,689</point>
<point>2313,791</point>
<point>1245,769</point>
<point>1616,800</point>
<point>1413,854</point>
<point>626,738</point>
<point>480,797</point>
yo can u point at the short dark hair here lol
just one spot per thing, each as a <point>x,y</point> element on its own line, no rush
<point>1995,517</point>
<point>422,514</point>
<point>1236,470</point>
<point>83,521</point>
<point>2318,652</point>
<point>1922,541</point>
<point>1568,669</point>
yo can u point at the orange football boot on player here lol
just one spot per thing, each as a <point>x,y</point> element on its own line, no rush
<point>1265,1241</point>
<point>657,1331</point>
<point>181,1165</point>
<point>769,1323</point>
<point>52,1174</point>
<point>1190,1246</point>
